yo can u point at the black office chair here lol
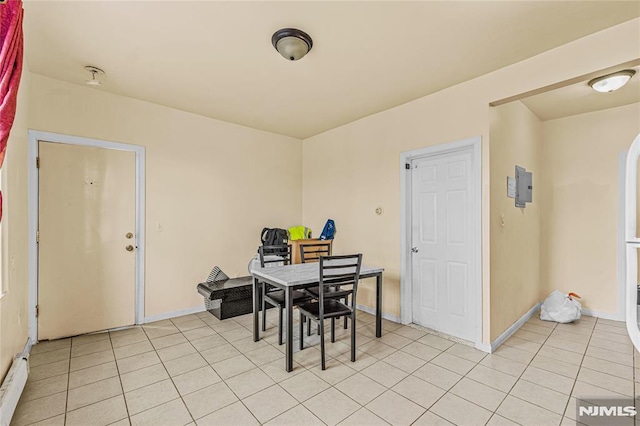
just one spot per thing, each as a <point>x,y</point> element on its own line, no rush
<point>311,253</point>
<point>334,271</point>
<point>271,295</point>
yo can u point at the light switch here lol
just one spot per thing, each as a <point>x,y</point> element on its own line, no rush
<point>511,187</point>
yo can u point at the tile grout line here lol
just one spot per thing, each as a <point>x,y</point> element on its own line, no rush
<point>225,382</point>
<point>335,388</point>
<point>66,402</point>
<point>520,378</point>
<point>222,379</point>
<point>168,374</point>
<point>329,384</point>
<point>310,367</point>
<point>126,406</point>
<point>452,386</point>
<point>579,369</point>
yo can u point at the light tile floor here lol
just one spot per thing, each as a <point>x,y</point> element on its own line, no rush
<point>199,370</point>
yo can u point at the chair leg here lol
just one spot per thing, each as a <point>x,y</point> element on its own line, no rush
<point>264,309</point>
<point>321,328</point>
<point>346,302</point>
<point>353,338</point>
<point>309,327</point>
<point>302,319</point>
<point>280,325</point>
<point>333,330</point>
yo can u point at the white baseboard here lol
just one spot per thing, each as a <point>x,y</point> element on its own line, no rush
<point>385,315</point>
<point>13,384</point>
<point>514,327</point>
<point>27,348</point>
<point>484,347</point>
<point>167,315</point>
<point>603,315</point>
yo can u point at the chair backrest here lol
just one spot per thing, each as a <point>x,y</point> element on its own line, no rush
<point>339,270</point>
<point>275,254</point>
<point>312,252</point>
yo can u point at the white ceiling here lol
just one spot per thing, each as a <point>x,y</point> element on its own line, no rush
<point>215,58</point>
<point>579,98</point>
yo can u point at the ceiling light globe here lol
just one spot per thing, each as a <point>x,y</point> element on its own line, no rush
<point>611,82</point>
<point>291,43</point>
<point>292,48</point>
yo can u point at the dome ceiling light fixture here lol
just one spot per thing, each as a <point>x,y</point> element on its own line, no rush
<point>610,82</point>
<point>94,70</point>
<point>291,43</point>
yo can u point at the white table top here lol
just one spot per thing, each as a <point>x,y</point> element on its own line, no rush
<point>300,274</point>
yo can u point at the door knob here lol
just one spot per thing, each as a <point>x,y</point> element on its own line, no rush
<point>129,235</point>
<point>129,248</point>
<point>414,249</point>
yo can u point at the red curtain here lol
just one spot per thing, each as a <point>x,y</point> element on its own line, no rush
<point>10,69</point>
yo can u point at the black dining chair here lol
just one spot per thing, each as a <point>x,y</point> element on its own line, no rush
<point>311,253</point>
<point>334,271</point>
<point>270,255</point>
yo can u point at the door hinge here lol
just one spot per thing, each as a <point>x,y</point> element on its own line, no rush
<point>407,166</point>
<point>37,310</point>
<point>37,237</point>
<point>37,162</point>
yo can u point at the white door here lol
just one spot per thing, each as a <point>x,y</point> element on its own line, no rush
<point>441,245</point>
<point>86,250</point>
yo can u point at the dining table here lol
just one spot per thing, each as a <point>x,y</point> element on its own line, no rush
<point>296,277</point>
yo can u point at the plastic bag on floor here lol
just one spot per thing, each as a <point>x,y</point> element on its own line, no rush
<point>561,307</point>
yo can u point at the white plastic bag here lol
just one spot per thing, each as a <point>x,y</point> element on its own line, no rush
<point>561,307</point>
<point>254,263</point>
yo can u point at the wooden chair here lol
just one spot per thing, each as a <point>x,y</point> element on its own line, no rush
<point>273,255</point>
<point>312,252</point>
<point>334,271</point>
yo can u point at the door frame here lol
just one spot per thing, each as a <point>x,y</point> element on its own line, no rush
<point>33,191</point>
<point>474,146</point>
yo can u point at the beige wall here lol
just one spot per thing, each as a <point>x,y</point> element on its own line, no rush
<point>347,173</point>
<point>350,170</point>
<point>516,139</point>
<point>580,207</point>
<point>13,306</point>
<point>210,185</point>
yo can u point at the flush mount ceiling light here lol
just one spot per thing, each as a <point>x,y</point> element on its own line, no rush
<point>611,82</point>
<point>291,43</point>
<point>94,70</point>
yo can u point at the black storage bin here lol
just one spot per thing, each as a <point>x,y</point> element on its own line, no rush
<point>229,297</point>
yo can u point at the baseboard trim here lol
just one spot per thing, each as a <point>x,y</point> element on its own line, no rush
<point>13,384</point>
<point>167,315</point>
<point>385,315</point>
<point>484,347</point>
<point>603,315</point>
<point>514,327</point>
<point>27,349</point>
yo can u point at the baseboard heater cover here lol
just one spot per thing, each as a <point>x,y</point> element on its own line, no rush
<point>13,385</point>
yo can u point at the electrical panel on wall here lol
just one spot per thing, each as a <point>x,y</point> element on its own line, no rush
<point>524,187</point>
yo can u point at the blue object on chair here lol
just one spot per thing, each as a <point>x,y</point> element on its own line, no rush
<point>329,230</point>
